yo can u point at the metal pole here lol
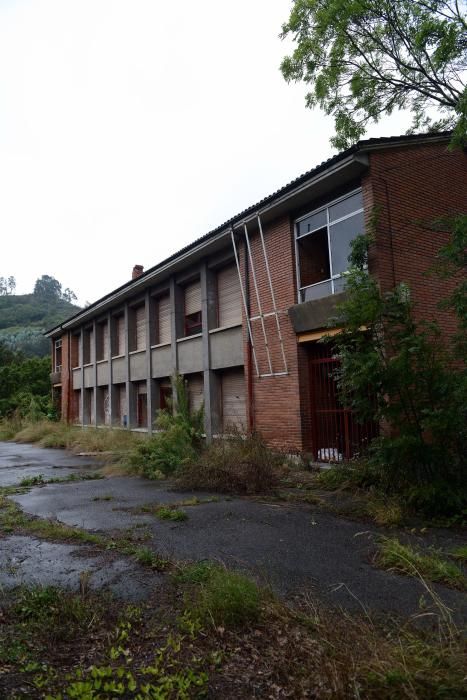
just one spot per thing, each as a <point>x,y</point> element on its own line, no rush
<point>274,306</point>
<point>244,302</point>
<point>258,299</point>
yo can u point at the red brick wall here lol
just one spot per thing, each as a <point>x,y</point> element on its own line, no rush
<point>410,188</point>
<point>276,400</point>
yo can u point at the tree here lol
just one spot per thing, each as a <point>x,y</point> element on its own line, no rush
<point>48,288</point>
<point>69,295</point>
<point>403,373</point>
<point>365,58</point>
<point>7,286</point>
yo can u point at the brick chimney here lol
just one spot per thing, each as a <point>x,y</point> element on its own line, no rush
<point>137,271</point>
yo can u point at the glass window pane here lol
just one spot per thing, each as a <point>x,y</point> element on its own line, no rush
<point>312,222</point>
<point>313,255</point>
<point>346,206</point>
<point>341,234</point>
<point>317,291</point>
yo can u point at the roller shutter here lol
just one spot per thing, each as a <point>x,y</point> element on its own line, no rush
<point>105,341</point>
<point>119,335</point>
<point>228,296</point>
<point>163,309</point>
<point>195,391</point>
<point>140,328</point>
<point>193,298</point>
<point>233,400</point>
<point>121,403</point>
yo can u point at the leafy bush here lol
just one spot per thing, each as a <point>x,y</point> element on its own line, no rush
<point>234,464</point>
<point>178,441</point>
<point>418,388</point>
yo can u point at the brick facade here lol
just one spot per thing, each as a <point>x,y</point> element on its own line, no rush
<point>405,185</point>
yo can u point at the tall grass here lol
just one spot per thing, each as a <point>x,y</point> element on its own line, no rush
<point>53,434</point>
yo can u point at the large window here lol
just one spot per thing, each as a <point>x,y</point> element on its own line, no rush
<point>323,246</point>
<point>58,355</point>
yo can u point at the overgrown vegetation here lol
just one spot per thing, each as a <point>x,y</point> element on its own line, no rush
<point>430,564</point>
<point>418,386</point>
<point>216,634</point>
<point>178,441</point>
<point>113,445</point>
<point>222,597</point>
<point>234,464</point>
<point>24,385</point>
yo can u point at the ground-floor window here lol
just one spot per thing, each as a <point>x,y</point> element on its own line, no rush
<point>233,400</point>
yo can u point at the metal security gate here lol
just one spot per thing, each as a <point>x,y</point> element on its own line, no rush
<point>336,434</point>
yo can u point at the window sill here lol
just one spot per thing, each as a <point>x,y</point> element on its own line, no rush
<point>99,362</point>
<point>161,345</point>
<point>88,364</point>
<point>136,352</point>
<point>189,337</point>
<point>225,328</point>
<point>117,357</point>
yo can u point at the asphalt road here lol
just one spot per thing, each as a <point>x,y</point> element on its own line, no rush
<point>291,548</point>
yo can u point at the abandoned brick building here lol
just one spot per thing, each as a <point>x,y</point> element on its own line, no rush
<point>240,310</point>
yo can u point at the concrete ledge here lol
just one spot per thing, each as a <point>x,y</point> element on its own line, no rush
<point>314,314</point>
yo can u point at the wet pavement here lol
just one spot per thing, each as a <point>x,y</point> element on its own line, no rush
<point>291,548</point>
<point>18,462</point>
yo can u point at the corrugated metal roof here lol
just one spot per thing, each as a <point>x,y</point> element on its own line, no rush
<point>366,144</point>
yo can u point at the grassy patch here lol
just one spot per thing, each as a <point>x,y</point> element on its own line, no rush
<point>193,573</point>
<point>114,443</point>
<point>146,557</point>
<point>171,513</point>
<point>236,464</point>
<point>223,597</point>
<point>430,565</point>
<point>460,553</point>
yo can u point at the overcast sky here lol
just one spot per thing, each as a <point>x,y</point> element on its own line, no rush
<point>128,128</point>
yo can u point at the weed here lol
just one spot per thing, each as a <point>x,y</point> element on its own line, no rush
<point>225,598</point>
<point>173,514</point>
<point>460,553</point>
<point>193,573</point>
<point>146,557</point>
<point>103,498</point>
<point>235,464</point>
<point>385,512</point>
<point>431,565</point>
<point>33,480</point>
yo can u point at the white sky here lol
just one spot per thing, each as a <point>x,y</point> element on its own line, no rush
<point>128,128</point>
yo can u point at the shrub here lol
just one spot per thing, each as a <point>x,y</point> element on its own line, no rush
<point>404,373</point>
<point>178,441</point>
<point>233,464</point>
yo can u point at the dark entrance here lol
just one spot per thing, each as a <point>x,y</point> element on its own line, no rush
<point>336,435</point>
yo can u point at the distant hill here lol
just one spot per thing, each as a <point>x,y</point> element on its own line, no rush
<point>24,318</point>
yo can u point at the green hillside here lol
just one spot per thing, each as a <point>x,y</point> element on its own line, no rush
<point>24,318</point>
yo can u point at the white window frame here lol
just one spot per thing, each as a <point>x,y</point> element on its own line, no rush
<point>297,238</point>
<point>57,346</point>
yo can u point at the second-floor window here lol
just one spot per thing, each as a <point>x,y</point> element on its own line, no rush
<point>118,335</point>
<point>58,355</point>
<point>229,303</point>
<point>193,315</point>
<point>88,344</point>
<point>323,246</point>
<point>163,333</point>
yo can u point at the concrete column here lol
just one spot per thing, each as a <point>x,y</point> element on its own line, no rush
<point>94,369</point>
<point>176,325</point>
<point>211,385</point>
<point>149,308</point>
<point>128,391</point>
<point>81,364</point>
